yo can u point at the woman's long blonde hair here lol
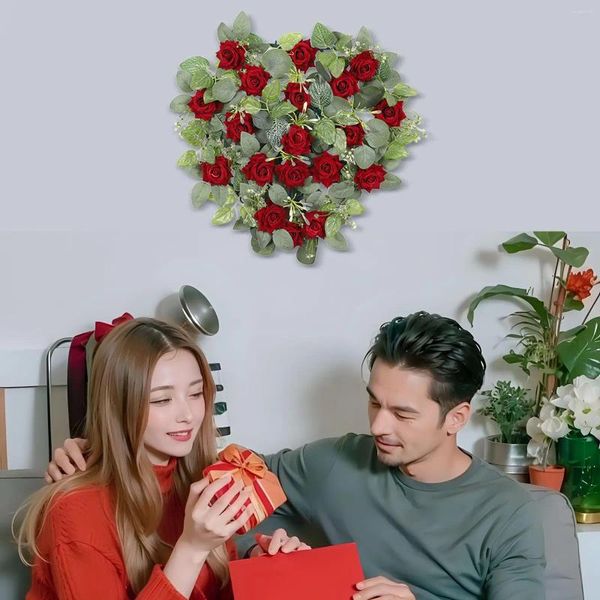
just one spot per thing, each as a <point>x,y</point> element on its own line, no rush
<point>116,420</point>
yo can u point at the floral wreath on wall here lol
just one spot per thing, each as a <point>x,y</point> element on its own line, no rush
<point>287,136</point>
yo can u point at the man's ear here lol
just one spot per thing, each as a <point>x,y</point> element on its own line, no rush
<point>457,418</point>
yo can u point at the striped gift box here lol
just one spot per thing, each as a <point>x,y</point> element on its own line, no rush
<point>267,493</point>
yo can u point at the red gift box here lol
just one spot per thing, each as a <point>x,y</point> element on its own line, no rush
<point>242,464</point>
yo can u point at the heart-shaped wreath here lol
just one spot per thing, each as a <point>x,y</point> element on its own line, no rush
<point>288,135</point>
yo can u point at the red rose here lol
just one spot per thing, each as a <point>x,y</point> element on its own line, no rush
<point>292,173</point>
<point>254,79</point>
<point>392,115</point>
<point>296,141</point>
<point>296,232</point>
<point>371,178</point>
<point>303,55</point>
<point>236,123</point>
<point>316,224</point>
<point>297,94</point>
<point>201,109</point>
<point>344,86</point>
<point>271,217</point>
<point>231,55</point>
<point>355,135</point>
<point>259,169</point>
<point>218,173</point>
<point>326,169</point>
<point>364,66</point>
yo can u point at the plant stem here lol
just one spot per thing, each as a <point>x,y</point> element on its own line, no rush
<point>591,307</point>
<point>554,281</point>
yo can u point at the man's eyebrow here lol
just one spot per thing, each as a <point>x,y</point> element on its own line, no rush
<point>399,408</point>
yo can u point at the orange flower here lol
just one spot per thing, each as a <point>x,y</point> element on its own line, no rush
<point>580,284</point>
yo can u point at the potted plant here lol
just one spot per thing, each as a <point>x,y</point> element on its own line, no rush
<point>509,407</point>
<point>549,354</point>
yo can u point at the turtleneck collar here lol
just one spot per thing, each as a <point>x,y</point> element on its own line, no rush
<point>164,474</point>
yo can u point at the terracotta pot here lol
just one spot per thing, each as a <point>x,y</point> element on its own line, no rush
<point>551,476</point>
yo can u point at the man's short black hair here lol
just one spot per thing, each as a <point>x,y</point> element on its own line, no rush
<point>438,346</point>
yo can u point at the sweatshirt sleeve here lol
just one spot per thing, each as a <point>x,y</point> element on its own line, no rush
<point>80,570</point>
<point>517,566</point>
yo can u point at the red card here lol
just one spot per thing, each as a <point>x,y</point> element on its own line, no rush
<point>329,573</point>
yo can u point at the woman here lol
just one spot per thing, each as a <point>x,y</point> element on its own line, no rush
<point>123,527</point>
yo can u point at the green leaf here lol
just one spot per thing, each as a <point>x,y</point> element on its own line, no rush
<point>320,94</point>
<point>261,243</point>
<point>183,81</point>
<point>364,156</point>
<point>510,292</point>
<point>391,182</point>
<point>337,242</point>
<point>378,133</point>
<point>364,37</point>
<point>322,37</point>
<point>401,90</point>
<point>519,243</point>
<point>346,119</point>
<point>354,207</point>
<point>369,95</point>
<point>250,145</point>
<point>179,104</point>
<point>251,104</point>
<point>195,133</point>
<point>277,62</point>
<point>278,195</point>
<point>240,225</point>
<point>223,215</point>
<point>201,80</point>
<point>188,159</point>
<point>341,190</point>
<point>194,63</point>
<point>242,26</point>
<point>200,193</point>
<point>224,33</point>
<point>340,145</point>
<point>549,237</point>
<point>395,151</point>
<point>224,89</point>
<point>272,91</point>
<point>574,257</point>
<point>307,253</point>
<point>333,224</point>
<point>208,155</point>
<point>289,40</point>
<point>337,66</point>
<point>219,195</point>
<point>282,109</point>
<point>581,354</point>
<point>344,41</point>
<point>325,131</point>
<point>283,240</point>
<point>572,303</point>
<point>276,131</point>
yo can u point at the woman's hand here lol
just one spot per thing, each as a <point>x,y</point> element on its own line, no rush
<point>382,588</point>
<point>67,460</point>
<point>278,542</point>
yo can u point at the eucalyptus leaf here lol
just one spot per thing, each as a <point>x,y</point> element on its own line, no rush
<point>341,190</point>
<point>401,90</point>
<point>277,62</point>
<point>195,133</point>
<point>263,239</point>
<point>364,156</point>
<point>208,155</point>
<point>224,89</point>
<point>278,194</point>
<point>391,182</point>
<point>224,33</point>
<point>200,193</point>
<point>354,207</point>
<point>219,194</point>
<point>337,66</point>
<point>250,104</point>
<point>240,225</point>
<point>307,253</point>
<point>249,144</point>
<point>283,240</point>
<point>325,131</point>
<point>223,215</point>
<point>326,57</point>
<point>201,79</point>
<point>183,81</point>
<point>289,40</point>
<point>395,151</point>
<point>282,109</point>
<point>337,242</point>
<point>364,37</point>
<point>378,133</point>
<point>369,95</point>
<point>272,91</point>
<point>242,26</point>
<point>340,145</point>
<point>262,120</point>
<point>322,37</point>
<point>194,63</point>
<point>333,224</point>
<point>179,104</point>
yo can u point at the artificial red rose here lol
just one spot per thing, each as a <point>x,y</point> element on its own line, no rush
<point>326,169</point>
<point>392,115</point>
<point>580,284</point>
<point>259,169</point>
<point>201,109</point>
<point>355,135</point>
<point>364,66</point>
<point>236,123</point>
<point>231,55</point>
<point>344,86</point>
<point>254,79</point>
<point>303,55</point>
<point>271,217</point>
<point>296,141</point>
<point>296,232</point>
<point>292,173</point>
<point>218,173</point>
<point>371,178</point>
<point>297,94</point>
<point>316,224</point>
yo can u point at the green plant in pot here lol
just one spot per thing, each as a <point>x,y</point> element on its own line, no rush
<point>549,354</point>
<point>509,407</point>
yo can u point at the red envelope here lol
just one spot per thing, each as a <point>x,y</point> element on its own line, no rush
<point>329,573</point>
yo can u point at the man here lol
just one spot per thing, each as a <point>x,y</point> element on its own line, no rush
<point>430,520</point>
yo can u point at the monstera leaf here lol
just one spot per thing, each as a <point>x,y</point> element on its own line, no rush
<point>581,354</point>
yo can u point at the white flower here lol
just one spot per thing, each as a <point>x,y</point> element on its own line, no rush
<point>536,449</point>
<point>563,397</point>
<point>555,428</point>
<point>534,430</point>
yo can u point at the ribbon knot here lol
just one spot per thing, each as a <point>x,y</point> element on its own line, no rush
<point>103,329</point>
<point>248,463</point>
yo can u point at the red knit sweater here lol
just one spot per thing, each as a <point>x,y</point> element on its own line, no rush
<point>80,544</point>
